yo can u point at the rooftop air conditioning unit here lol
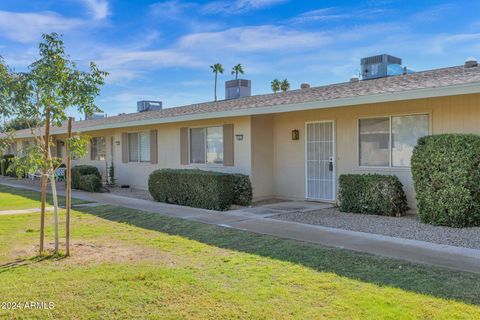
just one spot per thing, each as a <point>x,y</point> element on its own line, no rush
<point>95,116</point>
<point>380,66</point>
<point>239,88</point>
<point>145,105</point>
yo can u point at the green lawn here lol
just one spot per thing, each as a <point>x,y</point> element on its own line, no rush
<point>130,264</point>
<point>14,199</point>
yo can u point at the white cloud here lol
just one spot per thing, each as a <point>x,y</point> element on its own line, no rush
<point>325,14</point>
<point>197,50</point>
<point>335,14</point>
<point>173,9</point>
<point>464,41</point>
<point>239,6</point>
<point>28,27</point>
<point>434,13</point>
<point>253,38</point>
<point>99,9</point>
<point>126,65</point>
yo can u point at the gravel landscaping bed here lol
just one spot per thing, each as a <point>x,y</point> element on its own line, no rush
<point>408,227</point>
<point>131,193</point>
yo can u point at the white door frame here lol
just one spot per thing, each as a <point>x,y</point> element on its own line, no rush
<point>334,180</point>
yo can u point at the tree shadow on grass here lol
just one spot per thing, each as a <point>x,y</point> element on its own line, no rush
<point>18,263</point>
<point>437,282</point>
<point>35,196</point>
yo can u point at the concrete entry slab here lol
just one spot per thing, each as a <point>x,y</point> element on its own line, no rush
<point>300,206</point>
<point>277,208</point>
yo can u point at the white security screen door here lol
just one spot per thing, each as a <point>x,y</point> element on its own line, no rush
<point>320,158</point>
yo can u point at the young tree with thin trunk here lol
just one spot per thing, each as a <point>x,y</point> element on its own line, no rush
<point>68,201</point>
<point>216,68</point>
<point>52,85</point>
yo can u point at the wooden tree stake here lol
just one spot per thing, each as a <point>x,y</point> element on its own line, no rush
<point>69,185</point>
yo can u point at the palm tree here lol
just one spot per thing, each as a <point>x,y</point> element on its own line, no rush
<point>275,84</point>
<point>285,85</point>
<point>236,70</point>
<point>216,68</point>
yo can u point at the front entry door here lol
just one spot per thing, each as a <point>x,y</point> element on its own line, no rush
<point>320,161</point>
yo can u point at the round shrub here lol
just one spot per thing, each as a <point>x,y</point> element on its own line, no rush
<point>372,194</point>
<point>446,177</point>
<point>90,183</point>
<point>82,170</point>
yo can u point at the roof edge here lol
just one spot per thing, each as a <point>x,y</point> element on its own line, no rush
<point>335,103</point>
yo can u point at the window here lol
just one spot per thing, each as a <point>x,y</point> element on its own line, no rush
<point>374,142</point>
<point>389,141</point>
<point>405,132</point>
<point>98,149</point>
<point>139,147</point>
<point>206,145</point>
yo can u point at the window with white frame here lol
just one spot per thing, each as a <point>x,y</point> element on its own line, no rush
<point>206,145</point>
<point>139,146</point>
<point>389,141</point>
<point>98,149</point>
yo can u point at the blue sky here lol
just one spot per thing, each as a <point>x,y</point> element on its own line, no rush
<point>161,50</point>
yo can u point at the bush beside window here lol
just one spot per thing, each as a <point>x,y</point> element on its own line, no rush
<point>446,175</point>
<point>83,170</point>
<point>372,194</point>
<point>198,188</point>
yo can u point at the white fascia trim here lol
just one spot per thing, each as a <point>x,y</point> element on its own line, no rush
<point>359,100</point>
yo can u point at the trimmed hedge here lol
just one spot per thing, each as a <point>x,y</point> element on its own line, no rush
<point>90,183</point>
<point>372,194</point>
<point>199,188</point>
<point>83,170</point>
<point>242,190</point>
<point>446,175</point>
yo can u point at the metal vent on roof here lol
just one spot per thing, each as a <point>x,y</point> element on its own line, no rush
<point>470,62</point>
<point>304,86</point>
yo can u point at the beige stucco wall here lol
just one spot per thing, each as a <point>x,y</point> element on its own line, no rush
<point>449,114</point>
<point>136,174</point>
<point>262,156</point>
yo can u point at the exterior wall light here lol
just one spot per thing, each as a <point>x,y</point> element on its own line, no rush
<point>239,137</point>
<point>295,134</point>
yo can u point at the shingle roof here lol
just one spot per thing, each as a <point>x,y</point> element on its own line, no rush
<point>431,79</point>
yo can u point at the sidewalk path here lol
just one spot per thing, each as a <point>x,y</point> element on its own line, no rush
<point>24,211</point>
<point>457,258</point>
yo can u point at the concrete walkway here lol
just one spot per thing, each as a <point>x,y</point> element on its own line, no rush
<point>23,211</point>
<point>457,258</point>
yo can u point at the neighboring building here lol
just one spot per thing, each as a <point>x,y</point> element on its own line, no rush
<point>295,144</point>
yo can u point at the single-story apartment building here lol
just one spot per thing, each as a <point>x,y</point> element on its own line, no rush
<point>294,144</point>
